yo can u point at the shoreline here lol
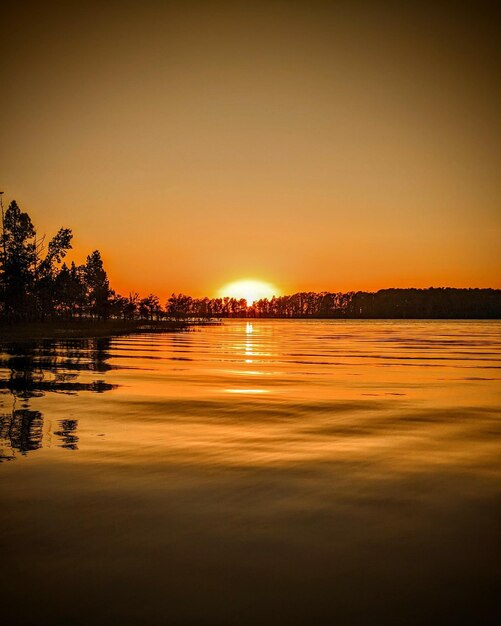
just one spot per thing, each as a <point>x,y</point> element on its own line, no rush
<point>87,329</point>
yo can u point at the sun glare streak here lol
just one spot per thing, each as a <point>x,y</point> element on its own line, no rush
<point>250,290</point>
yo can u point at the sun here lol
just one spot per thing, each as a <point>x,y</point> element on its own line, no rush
<point>251,290</point>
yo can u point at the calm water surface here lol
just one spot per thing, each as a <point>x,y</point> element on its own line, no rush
<point>273,472</point>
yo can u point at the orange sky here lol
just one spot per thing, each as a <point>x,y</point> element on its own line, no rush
<point>319,146</point>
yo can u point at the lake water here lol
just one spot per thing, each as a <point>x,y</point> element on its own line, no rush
<point>272,472</point>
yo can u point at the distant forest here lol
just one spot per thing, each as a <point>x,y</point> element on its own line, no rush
<point>37,285</point>
<point>432,303</point>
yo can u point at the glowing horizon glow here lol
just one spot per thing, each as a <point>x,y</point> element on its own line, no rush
<point>324,148</point>
<point>250,290</point>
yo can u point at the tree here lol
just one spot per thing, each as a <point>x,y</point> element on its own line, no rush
<point>97,285</point>
<point>18,262</point>
<point>47,285</point>
<point>179,306</point>
<point>150,307</point>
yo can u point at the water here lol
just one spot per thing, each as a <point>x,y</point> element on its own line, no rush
<point>273,472</point>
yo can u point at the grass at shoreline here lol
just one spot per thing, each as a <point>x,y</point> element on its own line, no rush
<point>85,329</point>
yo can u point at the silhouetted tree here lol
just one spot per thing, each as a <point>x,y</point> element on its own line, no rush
<point>150,308</point>
<point>98,287</point>
<point>46,273</point>
<point>179,306</point>
<point>18,242</point>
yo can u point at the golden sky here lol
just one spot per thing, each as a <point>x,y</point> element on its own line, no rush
<point>315,145</point>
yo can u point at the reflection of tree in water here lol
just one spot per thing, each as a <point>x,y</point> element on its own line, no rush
<point>67,433</point>
<point>21,431</point>
<point>34,369</point>
<point>31,370</point>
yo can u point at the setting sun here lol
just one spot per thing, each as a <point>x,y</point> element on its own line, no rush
<point>251,290</point>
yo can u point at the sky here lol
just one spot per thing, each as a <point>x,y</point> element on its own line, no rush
<point>314,145</point>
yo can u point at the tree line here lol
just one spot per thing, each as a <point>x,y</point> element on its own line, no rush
<point>36,284</point>
<point>431,303</point>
